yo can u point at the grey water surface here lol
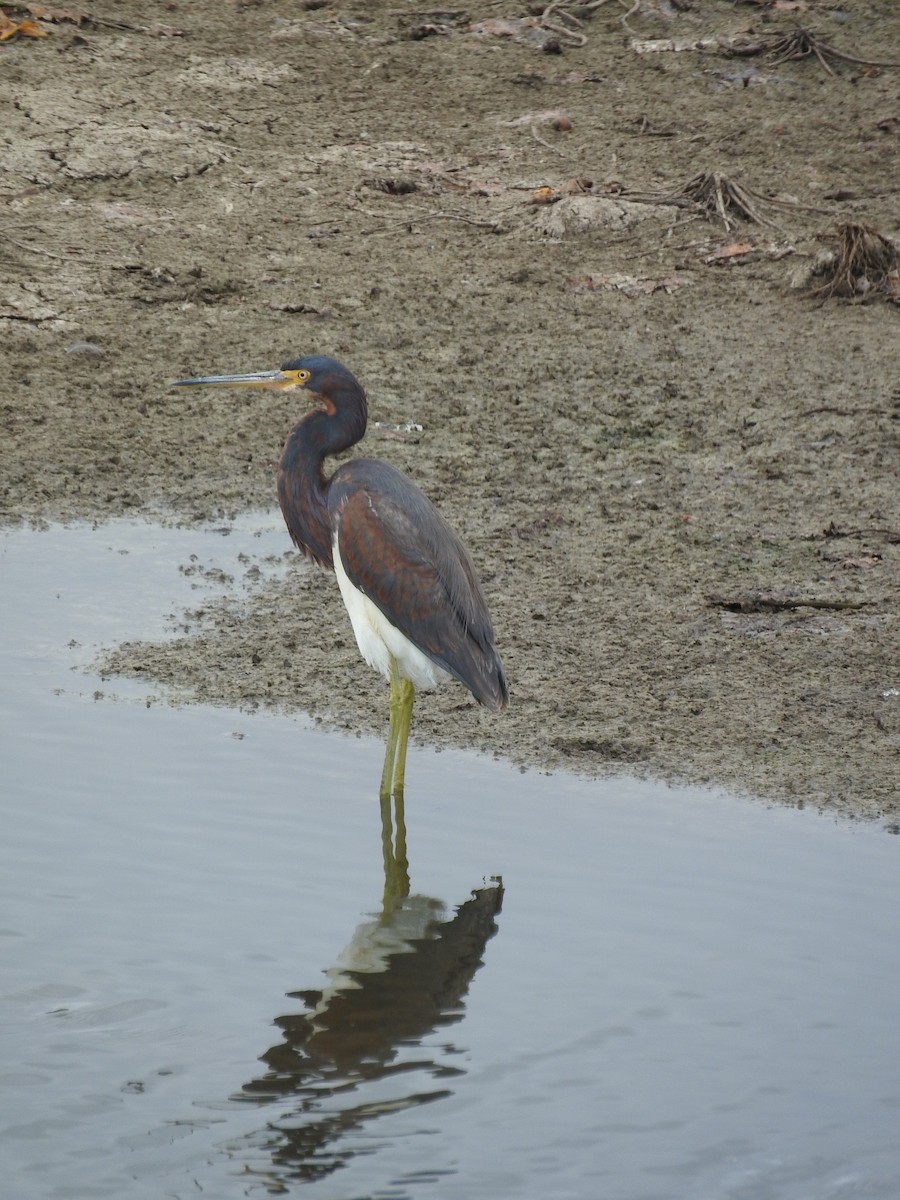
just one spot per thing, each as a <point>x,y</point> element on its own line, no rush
<point>214,980</point>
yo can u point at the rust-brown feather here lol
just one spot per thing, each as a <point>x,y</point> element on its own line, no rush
<point>399,551</point>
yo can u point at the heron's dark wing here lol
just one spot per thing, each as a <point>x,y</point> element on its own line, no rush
<point>401,553</point>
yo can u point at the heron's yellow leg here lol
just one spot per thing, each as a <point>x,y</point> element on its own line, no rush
<point>390,750</point>
<point>407,696</point>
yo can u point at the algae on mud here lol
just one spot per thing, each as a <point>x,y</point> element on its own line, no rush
<point>272,182</point>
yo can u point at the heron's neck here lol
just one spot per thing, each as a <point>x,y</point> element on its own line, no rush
<point>302,482</point>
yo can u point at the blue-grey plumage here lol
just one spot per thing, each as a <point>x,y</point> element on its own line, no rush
<point>398,550</point>
<point>407,579</point>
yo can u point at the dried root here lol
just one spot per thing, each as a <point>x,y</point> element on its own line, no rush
<point>864,264</point>
<point>802,43</point>
<point>718,195</point>
<point>713,194</point>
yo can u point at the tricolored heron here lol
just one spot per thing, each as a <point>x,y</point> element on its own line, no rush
<point>406,578</point>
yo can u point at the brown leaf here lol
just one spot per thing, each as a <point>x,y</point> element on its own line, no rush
<point>569,187</point>
<point>27,28</point>
<point>730,250</point>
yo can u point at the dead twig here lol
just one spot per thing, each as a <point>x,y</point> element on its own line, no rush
<point>624,18</point>
<point>892,536</point>
<point>567,26</point>
<point>71,16</point>
<point>758,602</point>
<point>33,249</point>
<point>418,216</point>
<point>558,8</point>
<point>543,142</point>
<point>838,411</point>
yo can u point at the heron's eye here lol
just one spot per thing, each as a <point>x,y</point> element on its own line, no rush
<point>302,375</point>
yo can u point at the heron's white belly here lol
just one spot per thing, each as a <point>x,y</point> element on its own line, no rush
<point>379,641</point>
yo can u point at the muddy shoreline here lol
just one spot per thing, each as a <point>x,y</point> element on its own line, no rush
<point>677,474</point>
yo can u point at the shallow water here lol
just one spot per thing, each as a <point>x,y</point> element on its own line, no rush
<point>207,986</point>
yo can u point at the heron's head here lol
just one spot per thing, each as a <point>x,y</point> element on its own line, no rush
<point>327,380</point>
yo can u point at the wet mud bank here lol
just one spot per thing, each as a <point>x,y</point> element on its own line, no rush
<point>676,469</point>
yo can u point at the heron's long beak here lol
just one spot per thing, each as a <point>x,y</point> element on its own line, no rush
<point>262,379</point>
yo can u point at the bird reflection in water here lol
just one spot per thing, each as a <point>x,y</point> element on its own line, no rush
<point>404,974</point>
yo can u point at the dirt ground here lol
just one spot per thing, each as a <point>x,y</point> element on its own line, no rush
<point>677,471</point>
